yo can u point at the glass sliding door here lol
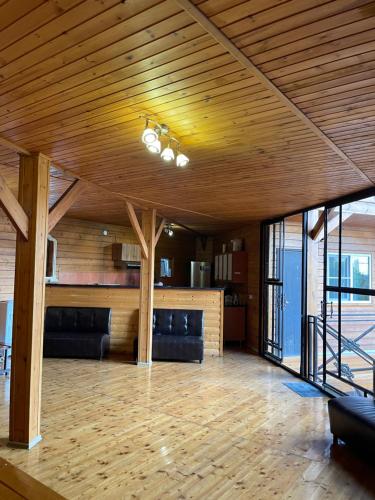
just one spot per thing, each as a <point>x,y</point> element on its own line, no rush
<point>319,294</point>
<point>349,320</point>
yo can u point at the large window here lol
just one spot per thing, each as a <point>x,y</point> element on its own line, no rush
<point>166,266</point>
<point>355,273</point>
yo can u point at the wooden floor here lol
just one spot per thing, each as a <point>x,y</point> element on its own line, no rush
<point>228,428</point>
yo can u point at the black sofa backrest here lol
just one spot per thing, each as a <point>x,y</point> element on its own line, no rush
<point>78,320</point>
<point>186,322</point>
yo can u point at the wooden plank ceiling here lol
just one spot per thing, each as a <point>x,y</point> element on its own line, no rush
<point>76,75</point>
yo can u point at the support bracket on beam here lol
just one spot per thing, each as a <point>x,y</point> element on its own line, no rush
<point>13,209</point>
<point>59,209</point>
<point>137,229</point>
<point>160,230</point>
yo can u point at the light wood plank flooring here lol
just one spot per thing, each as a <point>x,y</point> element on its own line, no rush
<point>225,429</point>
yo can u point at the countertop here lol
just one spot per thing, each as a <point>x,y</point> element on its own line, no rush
<point>133,286</point>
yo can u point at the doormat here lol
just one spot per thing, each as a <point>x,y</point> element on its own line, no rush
<point>304,389</point>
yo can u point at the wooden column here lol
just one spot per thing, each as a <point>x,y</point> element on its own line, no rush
<point>146,299</point>
<point>28,315</point>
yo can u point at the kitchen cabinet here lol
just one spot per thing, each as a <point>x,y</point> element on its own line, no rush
<point>231,267</point>
<point>234,323</point>
<point>125,252</point>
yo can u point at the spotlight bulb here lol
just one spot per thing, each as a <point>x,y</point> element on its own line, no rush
<point>154,147</point>
<point>149,136</point>
<point>167,154</point>
<point>182,160</point>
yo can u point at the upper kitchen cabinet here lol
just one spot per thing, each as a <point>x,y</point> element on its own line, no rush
<point>231,267</point>
<point>125,253</point>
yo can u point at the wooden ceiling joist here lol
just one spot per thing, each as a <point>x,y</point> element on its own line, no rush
<point>223,40</point>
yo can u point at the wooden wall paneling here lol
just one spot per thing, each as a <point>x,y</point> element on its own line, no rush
<point>28,316</point>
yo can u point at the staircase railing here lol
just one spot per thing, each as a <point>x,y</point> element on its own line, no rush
<point>316,369</point>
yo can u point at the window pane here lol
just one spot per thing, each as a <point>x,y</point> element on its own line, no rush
<point>333,266</point>
<point>361,298</point>
<point>345,268</point>
<point>332,296</point>
<point>361,271</point>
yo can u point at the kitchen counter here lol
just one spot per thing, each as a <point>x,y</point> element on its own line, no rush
<point>124,302</point>
<point>156,287</point>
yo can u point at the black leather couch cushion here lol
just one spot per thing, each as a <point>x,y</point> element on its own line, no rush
<point>177,335</point>
<point>77,332</point>
<point>178,322</point>
<point>352,419</point>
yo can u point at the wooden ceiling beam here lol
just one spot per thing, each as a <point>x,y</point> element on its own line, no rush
<point>14,147</point>
<point>13,209</point>
<point>225,42</point>
<point>137,229</point>
<point>59,209</point>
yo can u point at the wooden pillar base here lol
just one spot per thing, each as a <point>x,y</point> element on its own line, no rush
<point>144,364</point>
<point>25,446</point>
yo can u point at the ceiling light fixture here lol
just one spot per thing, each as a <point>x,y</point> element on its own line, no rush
<point>182,160</point>
<point>167,154</point>
<point>169,230</point>
<point>149,135</point>
<point>154,147</point>
<point>153,139</point>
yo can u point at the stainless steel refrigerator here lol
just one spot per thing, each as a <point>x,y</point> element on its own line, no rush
<point>200,274</point>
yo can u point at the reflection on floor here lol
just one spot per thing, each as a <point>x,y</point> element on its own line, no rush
<point>228,428</point>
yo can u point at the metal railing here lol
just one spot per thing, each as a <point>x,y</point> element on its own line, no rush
<point>347,374</point>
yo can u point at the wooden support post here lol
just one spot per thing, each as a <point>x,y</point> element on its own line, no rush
<point>28,316</point>
<point>146,298</point>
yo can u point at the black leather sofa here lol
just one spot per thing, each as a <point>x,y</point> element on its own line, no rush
<point>177,334</point>
<point>77,332</point>
<point>352,419</point>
